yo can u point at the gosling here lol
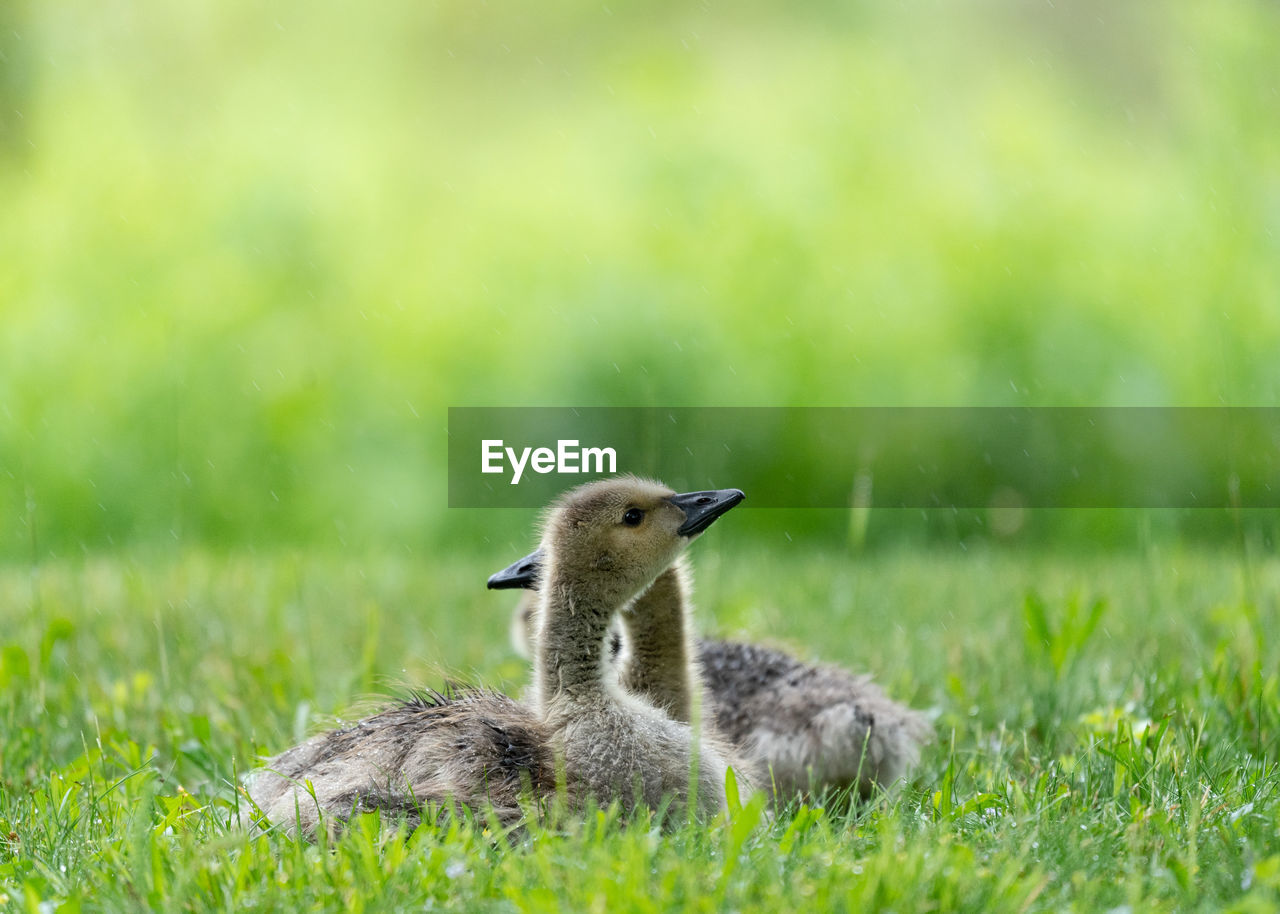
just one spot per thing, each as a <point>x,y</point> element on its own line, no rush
<point>601,549</point>
<point>812,727</point>
<point>602,544</point>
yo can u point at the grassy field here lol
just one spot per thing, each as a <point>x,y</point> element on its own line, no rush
<point>252,256</point>
<point>1106,734</point>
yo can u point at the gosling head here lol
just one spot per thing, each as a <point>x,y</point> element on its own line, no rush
<point>618,534</point>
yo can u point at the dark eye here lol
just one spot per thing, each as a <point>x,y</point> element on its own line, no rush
<point>633,517</point>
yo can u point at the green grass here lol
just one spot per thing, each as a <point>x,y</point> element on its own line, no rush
<point>251,258</point>
<point>1106,735</point>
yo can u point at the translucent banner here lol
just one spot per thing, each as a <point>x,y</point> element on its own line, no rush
<point>899,457</point>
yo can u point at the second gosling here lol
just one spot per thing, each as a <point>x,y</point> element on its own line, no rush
<point>811,726</point>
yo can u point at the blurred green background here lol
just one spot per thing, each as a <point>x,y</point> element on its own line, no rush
<point>252,252</point>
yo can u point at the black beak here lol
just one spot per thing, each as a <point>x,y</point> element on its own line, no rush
<point>519,574</point>
<point>702,508</point>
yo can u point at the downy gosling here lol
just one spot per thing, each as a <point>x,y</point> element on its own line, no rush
<point>602,544</point>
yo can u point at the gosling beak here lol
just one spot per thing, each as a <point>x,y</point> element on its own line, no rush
<point>519,574</point>
<point>702,508</point>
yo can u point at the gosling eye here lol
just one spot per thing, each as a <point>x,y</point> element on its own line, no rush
<point>633,517</point>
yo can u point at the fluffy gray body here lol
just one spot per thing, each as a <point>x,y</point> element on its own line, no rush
<point>474,747</point>
<point>813,726</point>
<point>636,755</point>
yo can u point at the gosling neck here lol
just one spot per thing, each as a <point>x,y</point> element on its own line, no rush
<point>659,643</point>
<point>573,623</point>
